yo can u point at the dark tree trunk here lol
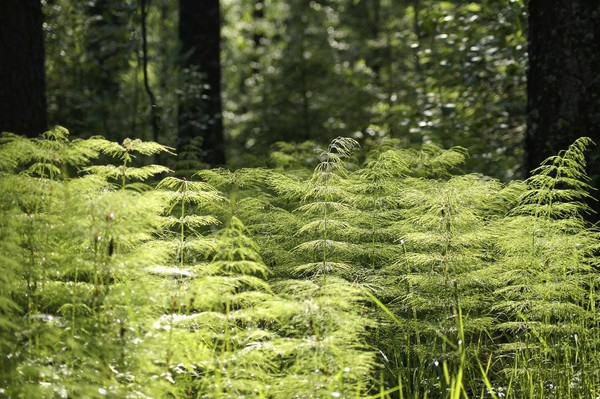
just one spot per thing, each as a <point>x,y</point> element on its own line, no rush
<point>563,79</point>
<point>200,36</point>
<point>22,75</point>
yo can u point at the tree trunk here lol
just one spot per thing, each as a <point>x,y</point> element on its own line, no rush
<point>22,75</point>
<point>563,79</point>
<point>200,37</point>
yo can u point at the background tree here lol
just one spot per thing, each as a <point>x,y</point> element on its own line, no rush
<point>200,107</point>
<point>22,76</point>
<point>563,79</point>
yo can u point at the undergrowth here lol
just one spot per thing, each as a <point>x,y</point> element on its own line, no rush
<point>396,276</point>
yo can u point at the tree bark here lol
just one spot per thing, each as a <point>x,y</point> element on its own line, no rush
<point>200,37</point>
<point>22,74</point>
<point>563,80</point>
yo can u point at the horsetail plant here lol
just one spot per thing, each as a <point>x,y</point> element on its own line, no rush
<point>328,200</point>
<point>184,194</point>
<point>544,280</point>
<point>399,277</point>
<point>126,153</point>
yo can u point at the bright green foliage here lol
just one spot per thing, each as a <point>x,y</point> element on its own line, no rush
<point>325,203</point>
<point>394,276</point>
<point>186,223</point>
<point>442,241</point>
<point>126,153</point>
<point>216,322</point>
<point>327,332</point>
<point>73,265</point>
<point>545,280</point>
<point>336,325</point>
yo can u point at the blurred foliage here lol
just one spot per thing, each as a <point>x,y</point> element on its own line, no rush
<point>94,67</point>
<point>450,73</point>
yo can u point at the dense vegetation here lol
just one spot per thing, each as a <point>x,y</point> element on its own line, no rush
<point>374,272</point>
<point>449,73</point>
